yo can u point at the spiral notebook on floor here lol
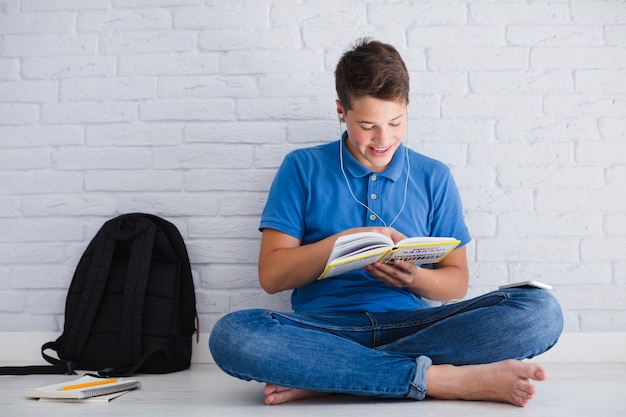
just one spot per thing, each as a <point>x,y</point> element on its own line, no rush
<point>84,388</point>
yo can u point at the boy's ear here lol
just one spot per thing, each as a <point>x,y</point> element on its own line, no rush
<point>340,111</point>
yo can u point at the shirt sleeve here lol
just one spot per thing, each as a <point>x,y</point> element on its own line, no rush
<point>448,218</point>
<point>284,209</point>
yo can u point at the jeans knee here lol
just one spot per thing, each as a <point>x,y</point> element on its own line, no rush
<point>233,335</point>
<point>544,316</point>
<point>553,310</point>
<point>549,311</point>
<point>224,336</point>
<point>219,339</point>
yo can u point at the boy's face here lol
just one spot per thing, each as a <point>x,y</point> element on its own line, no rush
<point>375,130</point>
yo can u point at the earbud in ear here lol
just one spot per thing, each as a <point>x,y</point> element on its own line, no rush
<point>340,116</point>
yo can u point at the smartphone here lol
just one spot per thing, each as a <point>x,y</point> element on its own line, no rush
<point>527,284</point>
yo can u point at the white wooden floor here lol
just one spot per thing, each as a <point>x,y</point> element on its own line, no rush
<point>571,390</point>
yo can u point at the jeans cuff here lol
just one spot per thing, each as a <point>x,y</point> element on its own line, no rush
<point>417,390</point>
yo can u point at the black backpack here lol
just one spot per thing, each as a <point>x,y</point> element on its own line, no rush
<point>131,304</point>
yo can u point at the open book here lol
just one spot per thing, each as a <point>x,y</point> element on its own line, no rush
<point>357,250</point>
<point>84,388</point>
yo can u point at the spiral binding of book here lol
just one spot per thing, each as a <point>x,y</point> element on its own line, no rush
<point>109,389</point>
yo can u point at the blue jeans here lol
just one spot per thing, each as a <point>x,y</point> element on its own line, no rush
<point>384,354</point>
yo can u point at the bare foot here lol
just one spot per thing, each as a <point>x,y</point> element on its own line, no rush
<point>506,381</point>
<point>275,394</point>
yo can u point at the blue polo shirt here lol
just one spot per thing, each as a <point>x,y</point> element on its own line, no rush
<point>310,200</point>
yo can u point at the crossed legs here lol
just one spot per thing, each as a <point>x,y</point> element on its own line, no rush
<point>301,356</point>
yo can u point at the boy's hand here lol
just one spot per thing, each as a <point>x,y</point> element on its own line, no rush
<point>397,274</point>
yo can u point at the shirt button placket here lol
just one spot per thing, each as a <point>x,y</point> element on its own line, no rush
<point>373,201</point>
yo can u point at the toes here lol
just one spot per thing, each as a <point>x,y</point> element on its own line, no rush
<point>540,374</point>
<point>522,393</point>
<point>532,371</point>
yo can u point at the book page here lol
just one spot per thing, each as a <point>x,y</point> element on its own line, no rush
<point>425,240</point>
<point>421,253</point>
<point>357,242</point>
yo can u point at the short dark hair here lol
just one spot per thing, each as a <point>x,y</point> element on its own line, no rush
<point>373,69</point>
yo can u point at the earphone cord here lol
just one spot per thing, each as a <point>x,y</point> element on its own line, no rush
<point>406,183</point>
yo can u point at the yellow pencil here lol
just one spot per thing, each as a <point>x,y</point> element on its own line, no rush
<point>88,384</point>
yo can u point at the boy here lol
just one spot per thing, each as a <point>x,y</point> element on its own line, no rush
<point>369,332</point>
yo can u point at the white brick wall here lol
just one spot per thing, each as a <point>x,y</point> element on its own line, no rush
<point>184,108</point>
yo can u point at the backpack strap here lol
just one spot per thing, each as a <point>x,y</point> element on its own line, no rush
<point>135,291</point>
<point>91,296</point>
<point>63,365</point>
<point>110,372</point>
<point>33,369</point>
<point>58,367</point>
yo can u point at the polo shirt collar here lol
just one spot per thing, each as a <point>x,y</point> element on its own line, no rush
<point>354,167</point>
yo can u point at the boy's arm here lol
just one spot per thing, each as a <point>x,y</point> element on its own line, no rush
<point>284,263</point>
